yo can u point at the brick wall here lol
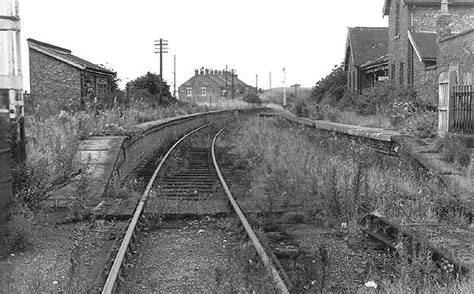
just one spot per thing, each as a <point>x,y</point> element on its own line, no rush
<point>457,53</point>
<point>419,19</point>
<point>425,82</point>
<point>424,18</point>
<point>398,43</point>
<point>54,80</point>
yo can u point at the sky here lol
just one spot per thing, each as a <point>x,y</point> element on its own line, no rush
<point>254,37</point>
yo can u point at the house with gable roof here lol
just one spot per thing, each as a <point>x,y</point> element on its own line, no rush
<point>366,60</point>
<point>413,41</point>
<point>211,84</point>
<point>58,75</point>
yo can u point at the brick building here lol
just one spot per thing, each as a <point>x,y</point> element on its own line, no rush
<point>366,60</point>
<point>57,75</point>
<point>412,41</point>
<point>211,84</point>
<point>454,55</point>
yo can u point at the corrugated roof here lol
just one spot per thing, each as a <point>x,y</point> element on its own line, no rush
<point>367,43</point>
<point>427,45</point>
<point>65,55</point>
<point>386,6</point>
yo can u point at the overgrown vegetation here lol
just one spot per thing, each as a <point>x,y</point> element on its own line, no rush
<point>253,99</point>
<point>384,105</point>
<point>53,137</point>
<point>453,150</point>
<point>330,182</point>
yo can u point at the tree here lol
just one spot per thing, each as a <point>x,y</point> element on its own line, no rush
<point>150,83</point>
<point>252,98</point>
<point>331,86</point>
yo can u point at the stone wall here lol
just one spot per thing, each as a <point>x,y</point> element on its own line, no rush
<point>457,53</point>
<point>53,79</point>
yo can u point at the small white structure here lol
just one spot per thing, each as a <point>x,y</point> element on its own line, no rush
<point>11,81</point>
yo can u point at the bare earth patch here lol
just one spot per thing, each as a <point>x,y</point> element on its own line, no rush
<point>57,257</point>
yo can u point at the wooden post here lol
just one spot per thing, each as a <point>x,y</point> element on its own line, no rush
<point>445,103</point>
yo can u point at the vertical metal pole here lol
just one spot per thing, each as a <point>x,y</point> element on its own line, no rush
<point>270,81</point>
<point>256,83</point>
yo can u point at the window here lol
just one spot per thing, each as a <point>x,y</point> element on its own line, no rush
<point>392,73</point>
<point>397,18</point>
<point>401,72</point>
<point>203,91</point>
<point>102,88</point>
<point>189,92</point>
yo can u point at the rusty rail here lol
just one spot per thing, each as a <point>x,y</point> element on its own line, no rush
<point>256,243</point>
<point>396,238</point>
<point>132,231</point>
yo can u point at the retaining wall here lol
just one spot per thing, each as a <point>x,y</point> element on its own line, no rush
<point>379,140</point>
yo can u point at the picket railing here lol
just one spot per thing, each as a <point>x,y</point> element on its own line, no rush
<point>463,109</point>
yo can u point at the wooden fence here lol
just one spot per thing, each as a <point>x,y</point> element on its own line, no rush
<point>456,106</point>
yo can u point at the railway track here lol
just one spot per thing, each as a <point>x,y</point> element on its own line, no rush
<point>187,181</point>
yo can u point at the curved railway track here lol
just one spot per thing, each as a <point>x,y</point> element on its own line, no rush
<point>196,187</point>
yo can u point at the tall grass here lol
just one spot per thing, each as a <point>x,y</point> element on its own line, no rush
<point>53,140</point>
<point>332,178</point>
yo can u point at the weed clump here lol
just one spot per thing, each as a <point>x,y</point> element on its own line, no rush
<point>452,150</point>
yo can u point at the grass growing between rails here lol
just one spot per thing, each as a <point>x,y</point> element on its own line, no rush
<point>331,184</point>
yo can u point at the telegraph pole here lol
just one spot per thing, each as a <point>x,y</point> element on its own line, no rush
<point>226,88</point>
<point>284,86</point>
<point>174,76</point>
<point>161,50</point>
<point>232,77</point>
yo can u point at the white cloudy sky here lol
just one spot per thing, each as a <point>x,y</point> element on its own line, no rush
<point>252,36</point>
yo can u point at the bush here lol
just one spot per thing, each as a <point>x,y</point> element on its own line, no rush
<point>453,150</point>
<point>252,98</point>
<point>300,109</point>
<point>331,87</point>
<point>421,124</point>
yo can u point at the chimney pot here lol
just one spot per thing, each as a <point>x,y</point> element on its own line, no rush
<point>207,71</point>
<point>196,72</point>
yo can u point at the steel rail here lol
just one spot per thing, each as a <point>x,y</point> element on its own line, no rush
<point>113,277</point>
<point>253,237</point>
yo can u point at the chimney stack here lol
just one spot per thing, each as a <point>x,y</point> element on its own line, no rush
<point>202,71</point>
<point>207,71</point>
<point>443,21</point>
<point>196,72</point>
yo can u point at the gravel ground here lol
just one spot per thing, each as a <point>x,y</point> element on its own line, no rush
<point>54,258</point>
<point>195,256</point>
